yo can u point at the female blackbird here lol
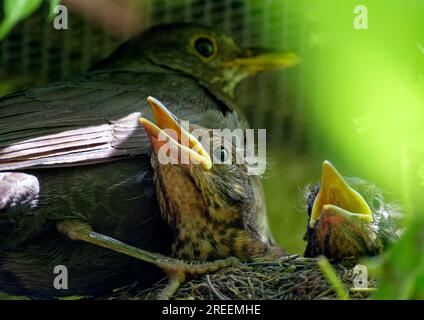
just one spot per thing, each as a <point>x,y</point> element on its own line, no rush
<point>81,154</point>
<point>348,217</point>
<point>211,208</point>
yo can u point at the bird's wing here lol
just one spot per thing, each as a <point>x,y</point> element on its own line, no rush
<point>71,123</point>
<point>262,218</point>
<point>94,118</point>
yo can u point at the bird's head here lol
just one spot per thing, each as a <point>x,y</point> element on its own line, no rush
<point>347,217</point>
<point>204,194</point>
<point>202,52</point>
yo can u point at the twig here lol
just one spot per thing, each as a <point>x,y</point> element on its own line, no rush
<point>214,290</point>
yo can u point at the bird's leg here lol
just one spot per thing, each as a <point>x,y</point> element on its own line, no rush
<point>175,280</point>
<point>176,269</point>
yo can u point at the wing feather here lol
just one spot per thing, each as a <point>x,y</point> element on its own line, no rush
<point>94,118</point>
<point>91,119</point>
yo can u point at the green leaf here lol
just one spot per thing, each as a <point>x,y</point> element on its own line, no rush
<point>6,296</point>
<point>332,277</point>
<point>73,298</point>
<point>16,10</point>
<point>402,269</point>
<point>53,4</point>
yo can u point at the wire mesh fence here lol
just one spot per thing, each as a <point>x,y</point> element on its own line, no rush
<point>35,49</point>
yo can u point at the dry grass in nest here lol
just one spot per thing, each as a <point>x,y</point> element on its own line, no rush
<point>291,277</point>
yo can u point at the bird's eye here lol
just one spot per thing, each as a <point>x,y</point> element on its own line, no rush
<point>205,47</point>
<point>377,203</point>
<point>221,154</point>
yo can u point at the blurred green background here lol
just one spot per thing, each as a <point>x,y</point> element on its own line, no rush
<point>356,99</point>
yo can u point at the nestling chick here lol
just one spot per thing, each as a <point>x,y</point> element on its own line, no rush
<point>348,217</point>
<point>211,205</point>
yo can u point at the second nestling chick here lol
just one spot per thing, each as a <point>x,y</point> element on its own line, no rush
<point>348,218</point>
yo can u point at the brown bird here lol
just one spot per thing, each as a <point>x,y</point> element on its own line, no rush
<point>211,208</point>
<point>75,151</point>
<point>348,217</point>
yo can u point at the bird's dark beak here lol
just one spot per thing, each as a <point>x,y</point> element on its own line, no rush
<point>336,198</point>
<point>168,131</point>
<point>255,60</point>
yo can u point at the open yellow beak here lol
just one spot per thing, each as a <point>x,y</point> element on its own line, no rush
<point>336,196</point>
<point>257,61</point>
<point>180,140</point>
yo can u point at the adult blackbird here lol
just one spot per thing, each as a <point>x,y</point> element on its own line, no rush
<point>348,217</point>
<point>75,151</point>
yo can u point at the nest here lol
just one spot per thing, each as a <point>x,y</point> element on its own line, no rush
<point>291,277</point>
